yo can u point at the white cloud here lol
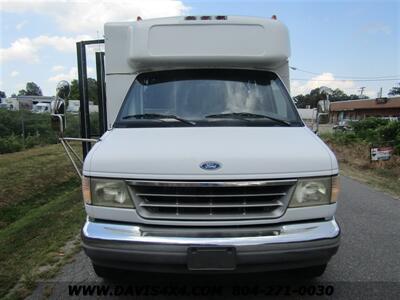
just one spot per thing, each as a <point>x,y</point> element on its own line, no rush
<point>78,16</point>
<point>27,49</point>
<point>14,73</point>
<point>70,75</point>
<point>90,15</point>
<point>60,43</point>
<point>21,24</point>
<point>58,68</point>
<point>21,49</point>
<point>324,79</point>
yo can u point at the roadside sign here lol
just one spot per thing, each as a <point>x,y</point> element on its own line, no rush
<point>381,153</point>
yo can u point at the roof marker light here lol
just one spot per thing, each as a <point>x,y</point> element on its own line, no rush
<point>221,17</point>
<point>190,18</point>
<point>274,17</point>
<point>205,18</point>
<point>139,18</point>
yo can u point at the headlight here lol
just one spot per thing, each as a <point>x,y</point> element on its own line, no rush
<point>315,191</point>
<point>109,192</point>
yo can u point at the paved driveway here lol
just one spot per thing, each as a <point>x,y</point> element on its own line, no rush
<point>367,265</point>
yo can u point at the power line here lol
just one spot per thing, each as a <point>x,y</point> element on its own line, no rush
<point>344,76</point>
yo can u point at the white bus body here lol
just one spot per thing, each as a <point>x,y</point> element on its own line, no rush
<point>206,165</point>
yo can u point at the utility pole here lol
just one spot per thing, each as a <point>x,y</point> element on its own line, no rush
<point>362,91</point>
<point>22,128</point>
<point>380,93</point>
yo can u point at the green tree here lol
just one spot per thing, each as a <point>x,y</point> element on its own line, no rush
<point>311,99</point>
<point>74,94</point>
<point>31,89</point>
<point>339,95</point>
<point>92,88</point>
<point>394,90</point>
<point>22,92</point>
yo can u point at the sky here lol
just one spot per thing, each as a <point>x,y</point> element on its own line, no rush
<point>339,44</point>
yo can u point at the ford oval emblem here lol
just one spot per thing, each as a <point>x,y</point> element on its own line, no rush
<point>210,165</point>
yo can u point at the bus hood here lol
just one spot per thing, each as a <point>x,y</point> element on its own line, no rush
<point>240,152</point>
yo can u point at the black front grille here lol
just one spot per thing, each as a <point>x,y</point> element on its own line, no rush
<point>229,200</point>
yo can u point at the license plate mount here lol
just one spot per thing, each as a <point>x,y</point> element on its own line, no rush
<point>211,258</point>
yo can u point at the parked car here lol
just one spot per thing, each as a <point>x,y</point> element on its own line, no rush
<point>41,108</point>
<point>344,125</point>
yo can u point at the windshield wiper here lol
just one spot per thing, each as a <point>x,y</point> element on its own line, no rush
<point>246,116</point>
<point>159,116</point>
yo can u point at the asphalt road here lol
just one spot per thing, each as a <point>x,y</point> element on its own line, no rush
<point>367,265</point>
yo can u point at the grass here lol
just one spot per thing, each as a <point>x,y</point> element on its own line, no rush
<point>381,180</point>
<point>28,173</point>
<point>354,161</point>
<point>40,211</point>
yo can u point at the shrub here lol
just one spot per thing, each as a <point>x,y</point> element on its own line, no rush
<point>373,131</point>
<point>10,144</point>
<point>24,129</point>
<point>341,138</point>
<point>33,140</point>
<point>389,134</point>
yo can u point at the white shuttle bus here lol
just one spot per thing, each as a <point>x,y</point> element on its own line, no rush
<point>206,165</point>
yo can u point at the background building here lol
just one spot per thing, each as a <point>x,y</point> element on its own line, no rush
<point>24,102</point>
<point>360,109</point>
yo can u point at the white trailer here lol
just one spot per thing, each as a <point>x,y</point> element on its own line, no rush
<point>10,103</point>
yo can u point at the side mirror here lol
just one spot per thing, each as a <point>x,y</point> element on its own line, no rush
<point>62,92</point>
<point>63,89</point>
<point>57,123</point>
<point>322,113</point>
<point>58,106</point>
<point>323,106</point>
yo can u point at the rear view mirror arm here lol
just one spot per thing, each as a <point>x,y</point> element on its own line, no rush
<point>68,152</point>
<point>75,159</point>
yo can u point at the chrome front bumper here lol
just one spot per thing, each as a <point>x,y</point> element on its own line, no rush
<point>165,248</point>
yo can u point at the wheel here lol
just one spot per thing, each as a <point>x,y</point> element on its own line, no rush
<point>311,272</point>
<point>105,272</point>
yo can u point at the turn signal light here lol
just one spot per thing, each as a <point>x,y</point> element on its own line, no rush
<point>335,189</point>
<point>87,197</point>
